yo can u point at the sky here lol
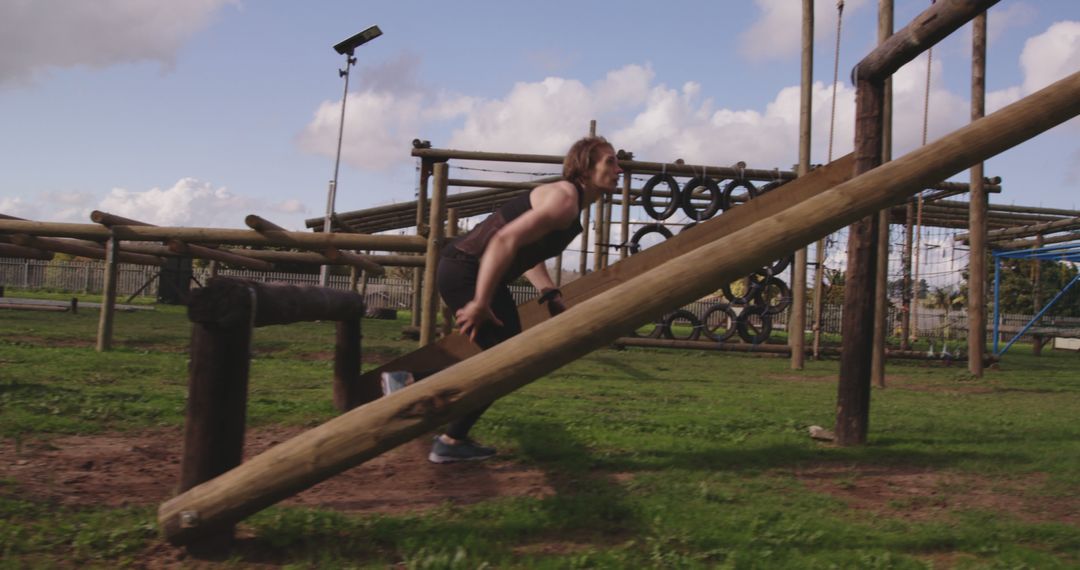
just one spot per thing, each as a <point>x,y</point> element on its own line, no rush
<point>197,113</point>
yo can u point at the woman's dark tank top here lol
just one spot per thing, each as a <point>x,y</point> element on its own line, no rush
<point>473,243</point>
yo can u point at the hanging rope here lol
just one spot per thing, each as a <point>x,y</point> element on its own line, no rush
<point>822,244</point>
<point>835,73</point>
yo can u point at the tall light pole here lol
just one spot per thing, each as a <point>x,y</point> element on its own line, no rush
<point>346,48</point>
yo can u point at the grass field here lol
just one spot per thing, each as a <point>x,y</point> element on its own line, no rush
<point>648,458</point>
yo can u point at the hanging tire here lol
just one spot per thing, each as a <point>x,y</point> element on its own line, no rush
<point>777,267</point>
<point>716,198</point>
<point>730,200</point>
<point>647,196</point>
<point>635,241</point>
<point>653,329</point>
<point>718,323</point>
<point>754,325</point>
<point>742,291</point>
<point>680,319</point>
<point>774,296</point>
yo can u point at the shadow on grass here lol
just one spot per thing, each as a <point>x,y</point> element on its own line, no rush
<point>621,366</point>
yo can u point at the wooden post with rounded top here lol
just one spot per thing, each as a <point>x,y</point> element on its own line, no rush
<point>429,311</point>
<point>797,323</point>
<point>977,209</point>
<point>881,271</point>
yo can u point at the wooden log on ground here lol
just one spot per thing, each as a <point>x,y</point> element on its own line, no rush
<point>25,307</point>
<point>374,428</point>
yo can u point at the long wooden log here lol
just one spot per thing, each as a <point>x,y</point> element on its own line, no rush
<point>772,349</point>
<point>1030,243</point>
<point>83,248</point>
<point>19,251</point>
<point>192,250</point>
<point>374,428</point>
<point>1029,230</point>
<point>300,240</point>
<point>977,210</point>
<point>931,26</point>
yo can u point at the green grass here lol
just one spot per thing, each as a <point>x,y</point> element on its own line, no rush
<point>658,458</point>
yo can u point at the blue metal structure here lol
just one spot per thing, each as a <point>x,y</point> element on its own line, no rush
<point>1067,252</point>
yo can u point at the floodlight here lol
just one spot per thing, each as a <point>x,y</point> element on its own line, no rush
<point>347,46</point>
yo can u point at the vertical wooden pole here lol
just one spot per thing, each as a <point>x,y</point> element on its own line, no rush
<point>1036,294</point>
<point>451,233</point>
<point>853,391</point>
<point>213,268</point>
<point>905,295</point>
<point>217,399</point>
<point>881,271</point>
<point>348,391</point>
<point>607,231</point>
<point>430,309</point>
<point>819,295</point>
<point>583,262</point>
<point>354,278</point>
<point>598,234</point>
<point>108,297</point>
<point>624,223</point>
<point>797,324</point>
<point>976,306</point>
<point>421,219</point>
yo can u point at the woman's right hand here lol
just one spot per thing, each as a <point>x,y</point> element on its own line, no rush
<point>472,316</point>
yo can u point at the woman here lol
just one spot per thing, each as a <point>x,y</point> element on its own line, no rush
<point>476,268</point>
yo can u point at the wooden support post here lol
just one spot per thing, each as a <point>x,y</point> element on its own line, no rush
<point>421,219</point>
<point>608,203</point>
<point>797,323</point>
<point>429,311</point>
<point>1036,294</point>
<point>348,390</point>
<point>108,297</point>
<point>977,210</point>
<point>624,223</point>
<point>857,330</point>
<point>583,262</point>
<point>217,395</point>
<point>905,295</point>
<point>881,270</point>
<point>819,295</point>
<point>451,233</point>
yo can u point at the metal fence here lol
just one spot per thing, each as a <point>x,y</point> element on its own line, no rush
<point>87,277</point>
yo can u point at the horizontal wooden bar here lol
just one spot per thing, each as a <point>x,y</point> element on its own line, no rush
<point>23,252</point>
<point>82,248</point>
<point>184,248</point>
<point>928,28</point>
<point>227,302</point>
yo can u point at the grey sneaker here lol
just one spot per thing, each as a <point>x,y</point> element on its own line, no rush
<point>468,450</point>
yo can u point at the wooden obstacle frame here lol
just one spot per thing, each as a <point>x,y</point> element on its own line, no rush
<point>223,315</point>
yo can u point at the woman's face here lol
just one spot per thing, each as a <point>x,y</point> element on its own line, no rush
<point>605,173</point>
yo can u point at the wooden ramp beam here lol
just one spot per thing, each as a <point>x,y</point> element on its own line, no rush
<point>379,426</point>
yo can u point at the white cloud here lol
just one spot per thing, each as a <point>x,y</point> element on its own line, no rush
<point>36,35</point>
<point>777,33</point>
<point>189,202</point>
<point>1050,56</point>
<point>381,119</point>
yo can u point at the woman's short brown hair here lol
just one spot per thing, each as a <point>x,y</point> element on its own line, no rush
<point>581,158</point>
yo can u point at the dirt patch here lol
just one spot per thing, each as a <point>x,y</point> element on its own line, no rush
<point>141,469</point>
<point>919,493</point>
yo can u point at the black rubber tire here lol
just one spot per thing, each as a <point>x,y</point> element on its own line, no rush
<point>777,267</point>
<point>716,198</point>
<point>656,331</point>
<point>774,296</point>
<point>647,196</point>
<point>753,281</point>
<point>722,315</point>
<point>635,245</point>
<point>729,189</point>
<point>754,325</point>
<point>682,314</point>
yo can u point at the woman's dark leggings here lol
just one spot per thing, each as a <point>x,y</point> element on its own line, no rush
<point>456,279</point>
